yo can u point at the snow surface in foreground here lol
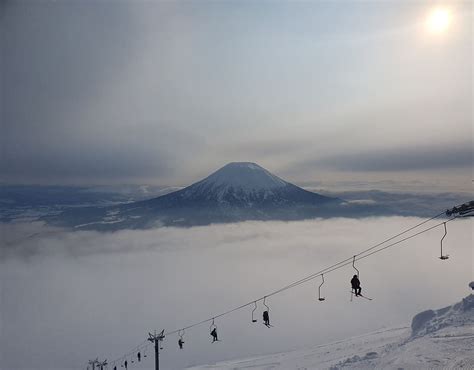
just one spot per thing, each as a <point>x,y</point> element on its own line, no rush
<point>442,338</point>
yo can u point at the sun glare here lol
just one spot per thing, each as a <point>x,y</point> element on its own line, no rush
<point>438,20</point>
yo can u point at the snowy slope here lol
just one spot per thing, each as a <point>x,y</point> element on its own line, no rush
<point>243,175</point>
<point>442,338</point>
<point>246,184</point>
<point>242,181</point>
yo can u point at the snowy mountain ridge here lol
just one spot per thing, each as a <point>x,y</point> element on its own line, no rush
<point>431,321</point>
<point>239,191</point>
<point>437,339</point>
<point>241,180</point>
<point>241,183</point>
<point>244,175</point>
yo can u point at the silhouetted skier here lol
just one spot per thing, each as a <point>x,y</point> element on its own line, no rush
<point>125,364</point>
<point>180,343</point>
<point>214,335</point>
<point>266,318</point>
<point>355,282</point>
<point>139,356</point>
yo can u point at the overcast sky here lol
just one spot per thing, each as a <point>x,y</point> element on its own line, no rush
<point>166,92</point>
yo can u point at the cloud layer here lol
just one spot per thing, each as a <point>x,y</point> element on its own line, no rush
<point>88,294</point>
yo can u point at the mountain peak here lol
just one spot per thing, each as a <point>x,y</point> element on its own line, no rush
<point>243,175</point>
<point>237,165</point>
<point>247,185</point>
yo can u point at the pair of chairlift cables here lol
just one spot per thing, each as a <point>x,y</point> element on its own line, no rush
<point>327,270</point>
<point>357,257</point>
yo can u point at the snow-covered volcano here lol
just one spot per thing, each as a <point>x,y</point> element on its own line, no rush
<point>242,175</point>
<point>241,182</point>
<point>238,191</point>
<point>246,184</point>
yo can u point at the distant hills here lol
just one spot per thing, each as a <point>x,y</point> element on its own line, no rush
<point>239,191</point>
<point>236,192</point>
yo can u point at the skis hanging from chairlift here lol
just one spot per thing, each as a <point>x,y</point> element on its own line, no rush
<point>361,296</point>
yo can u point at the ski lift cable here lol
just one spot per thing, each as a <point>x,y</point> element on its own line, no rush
<point>349,261</point>
<point>361,255</point>
<point>336,266</point>
<point>404,239</point>
<point>390,245</point>
<point>312,276</point>
<point>367,250</point>
<point>131,353</point>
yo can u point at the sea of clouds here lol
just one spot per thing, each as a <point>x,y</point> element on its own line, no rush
<point>68,296</point>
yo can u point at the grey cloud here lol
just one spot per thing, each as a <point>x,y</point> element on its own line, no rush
<point>97,91</point>
<point>56,57</point>
<point>101,159</point>
<point>400,159</point>
<point>76,106</point>
<point>58,54</point>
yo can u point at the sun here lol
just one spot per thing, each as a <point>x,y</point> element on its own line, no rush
<point>438,20</point>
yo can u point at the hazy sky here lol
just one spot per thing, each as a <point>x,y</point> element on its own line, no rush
<point>165,92</point>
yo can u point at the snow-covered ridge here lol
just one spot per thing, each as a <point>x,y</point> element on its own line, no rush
<point>243,175</point>
<point>242,183</point>
<point>431,321</point>
<point>438,339</point>
<point>238,191</point>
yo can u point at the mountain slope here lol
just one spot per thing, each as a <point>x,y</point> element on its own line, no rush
<point>242,184</point>
<point>238,191</point>
<point>438,339</point>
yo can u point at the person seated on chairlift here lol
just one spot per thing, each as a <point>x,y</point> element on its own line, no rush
<point>355,282</point>
<point>266,318</point>
<point>214,335</point>
<point>180,343</point>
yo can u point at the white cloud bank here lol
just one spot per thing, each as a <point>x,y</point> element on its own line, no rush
<point>70,296</point>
